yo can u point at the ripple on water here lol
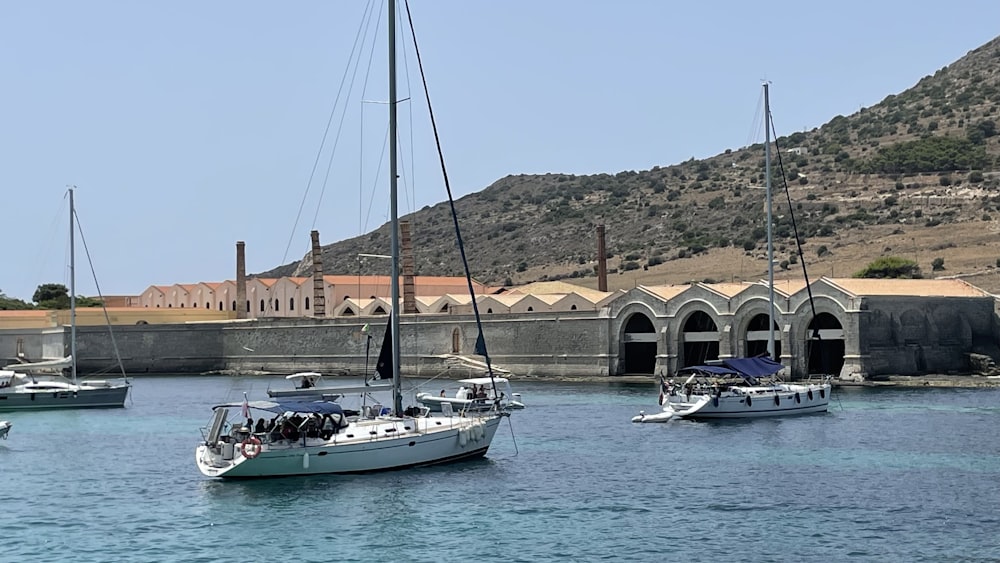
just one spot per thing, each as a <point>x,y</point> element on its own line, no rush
<point>883,476</point>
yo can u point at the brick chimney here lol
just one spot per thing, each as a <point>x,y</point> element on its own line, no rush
<point>602,260</point>
<point>319,296</point>
<point>241,280</point>
<point>406,248</point>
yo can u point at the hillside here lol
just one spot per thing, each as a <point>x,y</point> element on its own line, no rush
<point>914,175</point>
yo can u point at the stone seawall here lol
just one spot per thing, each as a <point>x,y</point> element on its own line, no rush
<point>539,345</point>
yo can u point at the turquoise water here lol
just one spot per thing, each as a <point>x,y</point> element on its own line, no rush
<point>886,475</point>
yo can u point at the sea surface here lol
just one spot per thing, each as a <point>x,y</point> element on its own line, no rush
<point>886,475</point>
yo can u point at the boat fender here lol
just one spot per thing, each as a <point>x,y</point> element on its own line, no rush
<point>250,447</point>
<point>463,437</point>
<point>305,460</point>
<point>809,395</point>
<point>798,399</point>
<point>777,401</point>
<point>822,393</point>
<point>749,401</point>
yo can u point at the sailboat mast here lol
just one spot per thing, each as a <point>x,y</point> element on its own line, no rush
<point>397,398</point>
<point>72,286</point>
<point>770,223</point>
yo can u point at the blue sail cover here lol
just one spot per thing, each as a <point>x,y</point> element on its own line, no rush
<point>754,367</point>
<point>740,367</point>
<point>291,405</point>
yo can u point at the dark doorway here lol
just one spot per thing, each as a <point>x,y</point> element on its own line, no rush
<point>825,344</point>
<point>758,335</point>
<point>701,340</point>
<point>639,345</point>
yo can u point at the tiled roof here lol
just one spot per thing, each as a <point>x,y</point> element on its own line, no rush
<point>559,287</point>
<point>384,280</point>
<point>730,289</point>
<point>665,291</point>
<point>916,288</point>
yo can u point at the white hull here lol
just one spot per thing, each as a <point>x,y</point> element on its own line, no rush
<point>370,445</point>
<point>4,429</point>
<point>746,402</point>
<point>434,403</point>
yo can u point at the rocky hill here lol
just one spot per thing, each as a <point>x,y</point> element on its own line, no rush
<point>914,176</point>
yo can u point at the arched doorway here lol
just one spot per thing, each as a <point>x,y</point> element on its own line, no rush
<point>639,345</point>
<point>758,335</point>
<point>456,341</point>
<point>701,340</point>
<point>825,344</point>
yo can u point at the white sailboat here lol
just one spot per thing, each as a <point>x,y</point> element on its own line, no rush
<point>310,435</point>
<point>742,387</point>
<point>21,388</point>
<point>4,429</point>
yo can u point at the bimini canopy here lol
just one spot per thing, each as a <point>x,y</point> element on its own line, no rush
<point>278,407</point>
<point>483,381</point>
<point>740,367</point>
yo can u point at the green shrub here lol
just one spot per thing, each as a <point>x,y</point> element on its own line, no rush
<point>891,267</point>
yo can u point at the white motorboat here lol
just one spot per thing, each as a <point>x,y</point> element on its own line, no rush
<point>22,389</point>
<point>311,384</point>
<point>494,391</point>
<point>4,429</point>
<point>308,436</point>
<point>737,388</point>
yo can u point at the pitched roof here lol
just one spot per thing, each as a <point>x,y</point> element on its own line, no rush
<point>665,292</point>
<point>915,288</point>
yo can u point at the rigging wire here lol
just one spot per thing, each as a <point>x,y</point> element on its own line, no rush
<point>480,347</point>
<point>333,111</point>
<point>104,308</point>
<point>798,241</point>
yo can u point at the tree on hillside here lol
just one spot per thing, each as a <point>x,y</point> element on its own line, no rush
<point>56,296</point>
<point>891,267</point>
<point>11,304</point>
<point>931,154</point>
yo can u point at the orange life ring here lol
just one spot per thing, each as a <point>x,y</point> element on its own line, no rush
<point>250,448</point>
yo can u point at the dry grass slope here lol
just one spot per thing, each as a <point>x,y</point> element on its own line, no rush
<point>913,176</point>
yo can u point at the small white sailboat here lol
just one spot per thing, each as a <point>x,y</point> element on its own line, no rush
<point>742,387</point>
<point>4,429</point>
<point>21,388</point>
<point>314,435</point>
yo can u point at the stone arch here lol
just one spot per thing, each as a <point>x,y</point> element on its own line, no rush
<point>699,339</point>
<point>913,327</point>
<point>638,345</point>
<point>825,344</point>
<point>757,336</point>
<point>958,333</point>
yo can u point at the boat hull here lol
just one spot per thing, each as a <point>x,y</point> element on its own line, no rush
<point>434,403</point>
<point>791,400</point>
<point>102,397</point>
<point>382,444</point>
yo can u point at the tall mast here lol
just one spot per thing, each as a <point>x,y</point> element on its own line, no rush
<point>397,398</point>
<point>72,287</point>
<point>770,241</point>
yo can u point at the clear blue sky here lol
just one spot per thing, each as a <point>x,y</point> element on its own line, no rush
<point>190,125</point>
